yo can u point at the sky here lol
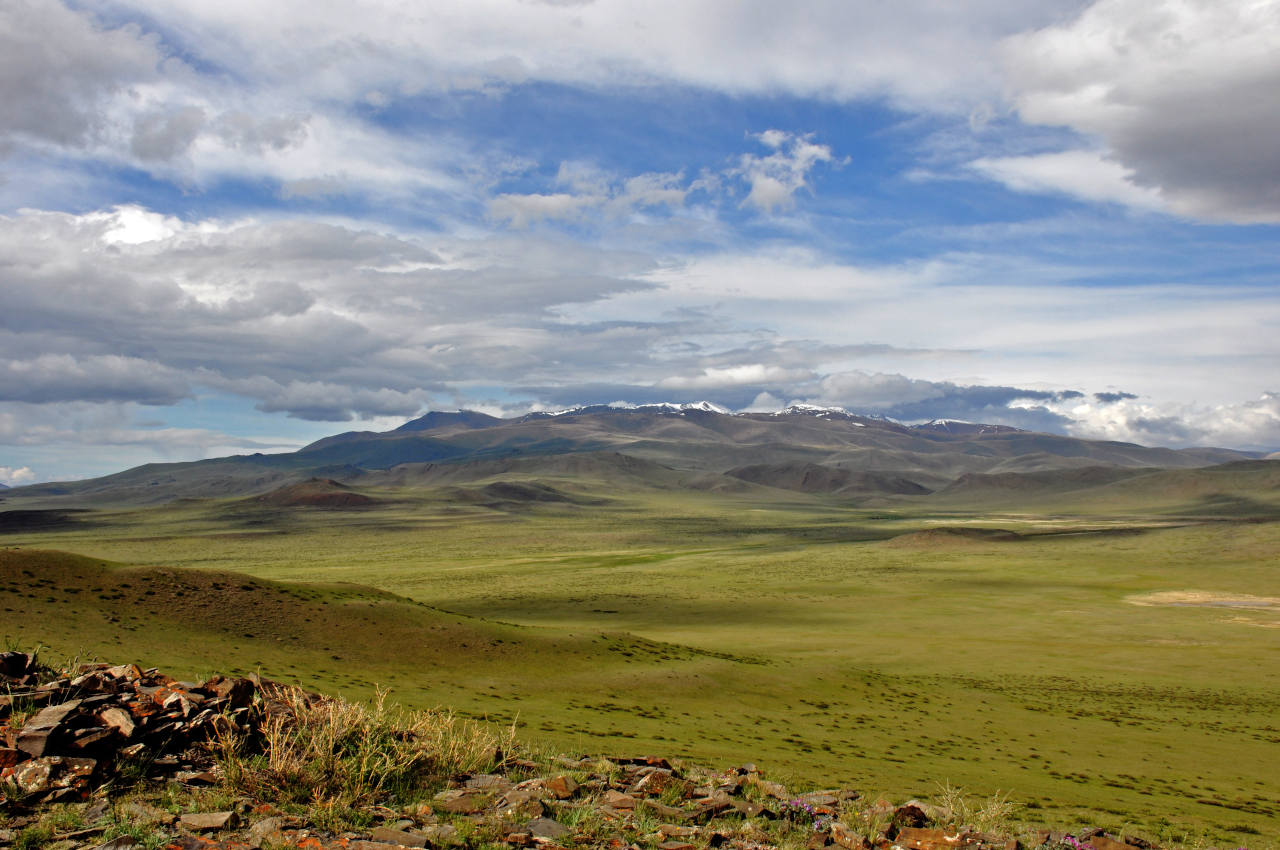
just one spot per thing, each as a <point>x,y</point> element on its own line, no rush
<point>237,226</point>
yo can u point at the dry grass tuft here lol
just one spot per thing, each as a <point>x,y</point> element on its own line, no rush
<point>336,755</point>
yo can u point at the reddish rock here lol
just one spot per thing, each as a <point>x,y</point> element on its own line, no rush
<point>618,800</point>
<point>917,838</point>
<point>11,758</point>
<point>562,787</point>
<point>1106,842</point>
<point>847,838</point>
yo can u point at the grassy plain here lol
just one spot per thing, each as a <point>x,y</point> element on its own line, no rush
<point>830,644</point>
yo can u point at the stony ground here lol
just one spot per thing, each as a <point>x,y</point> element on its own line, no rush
<point>117,757</point>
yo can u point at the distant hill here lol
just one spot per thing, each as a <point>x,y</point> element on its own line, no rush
<point>823,452</point>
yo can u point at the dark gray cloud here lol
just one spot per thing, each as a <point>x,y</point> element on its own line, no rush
<point>1185,96</point>
<point>164,135</point>
<point>61,377</point>
<point>1111,398</point>
<point>59,69</point>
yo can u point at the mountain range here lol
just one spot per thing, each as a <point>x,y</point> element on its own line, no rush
<point>827,452</point>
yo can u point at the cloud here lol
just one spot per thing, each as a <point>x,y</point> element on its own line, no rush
<point>594,191</point>
<point>61,72</point>
<point>1253,424</point>
<point>917,400</point>
<point>164,135</point>
<point>1112,398</point>
<point>62,377</point>
<point>16,476</point>
<point>1184,95</point>
<point>754,374</point>
<point>1087,175</point>
<point>774,179</point>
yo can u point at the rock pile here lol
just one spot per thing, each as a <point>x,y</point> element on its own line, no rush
<point>62,738</point>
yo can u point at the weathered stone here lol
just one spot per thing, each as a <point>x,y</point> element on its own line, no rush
<point>124,842</point>
<point>663,811</point>
<point>210,821</point>
<point>11,757</point>
<point>819,840</point>
<point>463,802</point>
<point>670,830</point>
<point>917,838</point>
<point>618,800</point>
<point>776,790</point>
<point>753,810</point>
<point>148,814</point>
<point>489,782</point>
<point>910,815</point>
<point>197,777</point>
<point>386,835</point>
<point>442,834</point>
<point>87,739</point>
<point>847,838</point>
<point>35,776</point>
<point>546,828</point>
<point>238,692</point>
<point>1106,842</point>
<point>130,672</point>
<point>266,831</point>
<point>562,787</point>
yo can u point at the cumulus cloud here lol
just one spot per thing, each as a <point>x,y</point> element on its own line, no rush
<point>1185,96</point>
<point>1253,424</point>
<point>16,476</point>
<point>319,321</point>
<point>61,71</point>
<point>773,180</point>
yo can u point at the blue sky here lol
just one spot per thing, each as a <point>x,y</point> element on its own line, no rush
<point>233,227</point>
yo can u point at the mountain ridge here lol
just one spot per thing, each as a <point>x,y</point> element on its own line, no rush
<point>802,448</point>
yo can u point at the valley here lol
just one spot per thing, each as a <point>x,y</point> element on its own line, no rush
<point>1098,639</point>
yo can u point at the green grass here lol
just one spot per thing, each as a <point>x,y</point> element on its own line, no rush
<point>792,633</point>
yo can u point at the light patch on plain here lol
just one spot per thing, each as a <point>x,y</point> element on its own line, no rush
<point>1206,599</point>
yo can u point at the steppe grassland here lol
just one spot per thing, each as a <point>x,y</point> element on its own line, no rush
<point>799,636</point>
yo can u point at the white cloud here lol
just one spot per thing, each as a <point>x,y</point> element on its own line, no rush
<point>774,179</point>
<point>594,192</point>
<point>16,476</point>
<point>1251,424</point>
<point>1184,94</point>
<point>1087,175</point>
<point>731,376</point>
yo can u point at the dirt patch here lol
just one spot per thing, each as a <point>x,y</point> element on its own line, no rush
<point>1206,599</point>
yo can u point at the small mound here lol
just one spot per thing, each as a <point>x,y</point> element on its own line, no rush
<point>316,493</point>
<point>948,535</point>
<point>513,495</point>
<point>515,491</point>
